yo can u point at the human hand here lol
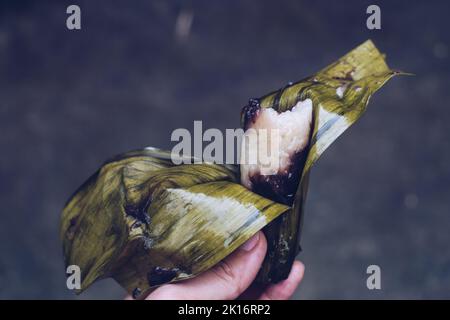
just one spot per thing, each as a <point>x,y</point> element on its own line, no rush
<point>232,278</point>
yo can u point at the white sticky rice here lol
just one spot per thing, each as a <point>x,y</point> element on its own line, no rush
<point>292,128</point>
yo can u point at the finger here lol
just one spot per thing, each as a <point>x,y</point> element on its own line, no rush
<point>253,292</point>
<point>285,289</point>
<point>227,280</point>
<point>259,291</point>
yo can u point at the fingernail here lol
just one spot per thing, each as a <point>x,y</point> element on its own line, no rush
<point>251,243</point>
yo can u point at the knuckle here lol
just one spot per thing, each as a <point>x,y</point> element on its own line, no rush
<point>224,271</point>
<point>228,277</point>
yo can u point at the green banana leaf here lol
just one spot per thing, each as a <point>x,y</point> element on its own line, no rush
<point>145,222</point>
<point>340,94</point>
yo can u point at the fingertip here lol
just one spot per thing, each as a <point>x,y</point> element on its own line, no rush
<point>297,272</point>
<point>256,254</point>
<point>262,243</point>
<point>254,242</point>
<point>263,240</point>
<point>259,252</point>
<point>285,289</point>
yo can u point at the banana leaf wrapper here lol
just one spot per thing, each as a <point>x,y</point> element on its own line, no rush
<point>340,94</point>
<point>144,221</point>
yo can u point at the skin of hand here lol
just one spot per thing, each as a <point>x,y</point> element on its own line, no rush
<point>232,279</point>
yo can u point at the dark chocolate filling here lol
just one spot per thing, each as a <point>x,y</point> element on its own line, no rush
<point>281,187</point>
<point>250,112</point>
<point>136,293</point>
<point>160,275</point>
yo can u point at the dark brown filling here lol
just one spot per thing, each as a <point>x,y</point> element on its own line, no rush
<point>250,112</point>
<point>281,187</point>
<point>160,275</point>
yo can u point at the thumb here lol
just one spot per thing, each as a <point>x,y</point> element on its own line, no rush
<point>227,280</point>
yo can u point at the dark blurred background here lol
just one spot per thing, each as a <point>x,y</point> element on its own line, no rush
<point>137,70</point>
